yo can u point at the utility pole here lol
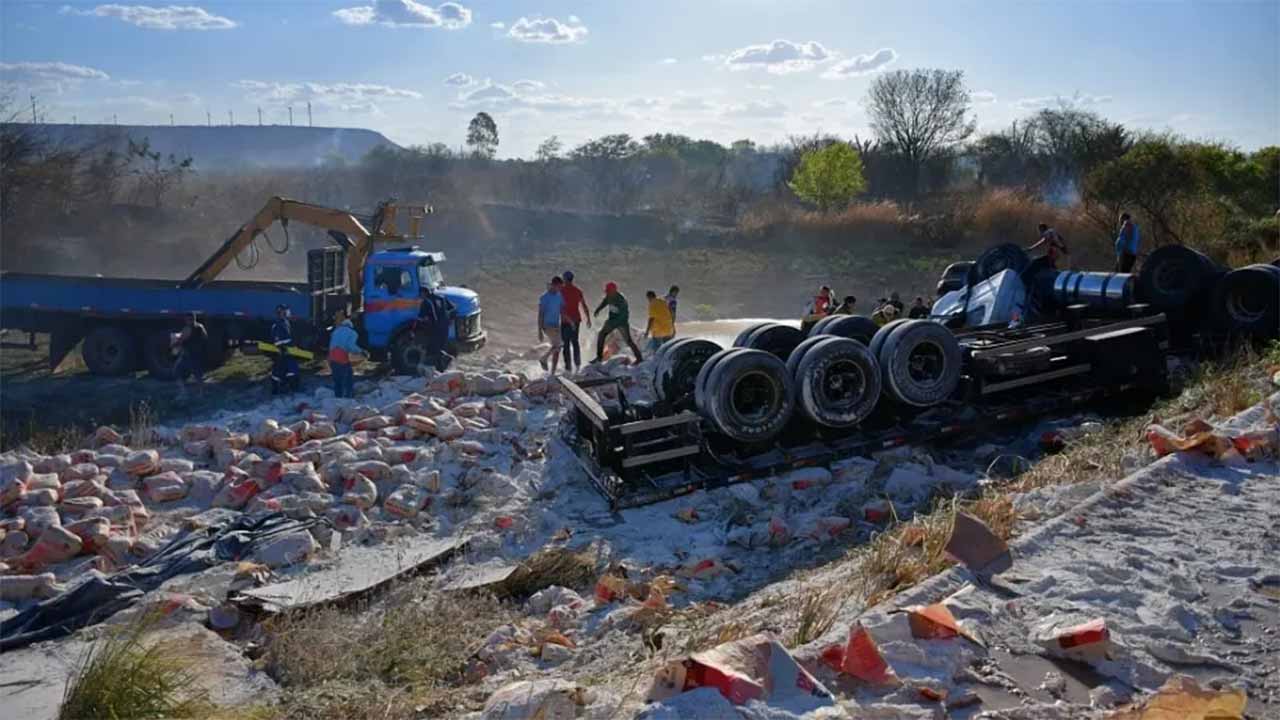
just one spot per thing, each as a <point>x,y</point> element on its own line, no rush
<point>309,113</point>
<point>73,120</point>
<point>231,118</point>
<point>114,120</point>
<point>290,116</point>
<point>34,119</point>
<point>259,117</point>
<point>209,116</point>
<point>170,119</point>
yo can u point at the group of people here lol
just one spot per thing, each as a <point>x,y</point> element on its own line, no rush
<point>563,308</point>
<point>1126,245</point>
<point>886,309</point>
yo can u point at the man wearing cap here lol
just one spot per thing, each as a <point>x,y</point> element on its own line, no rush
<point>572,311</point>
<point>285,374</point>
<point>619,319</point>
<point>343,344</point>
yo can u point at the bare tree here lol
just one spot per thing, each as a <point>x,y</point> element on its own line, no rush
<point>919,113</point>
<point>157,173</point>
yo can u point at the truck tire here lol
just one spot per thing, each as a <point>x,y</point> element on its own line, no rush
<point>749,396</point>
<point>1172,275</point>
<point>700,382</point>
<point>817,328</point>
<point>837,382</point>
<point>793,361</point>
<point>157,355</point>
<point>110,351</point>
<point>407,354</point>
<point>920,363</point>
<point>676,368</point>
<point>877,340</point>
<point>775,338</point>
<point>741,339</point>
<point>1246,300</point>
<point>853,327</point>
<point>1008,256</point>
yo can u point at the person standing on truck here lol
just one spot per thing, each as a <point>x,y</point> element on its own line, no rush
<point>818,308</point>
<point>435,317</point>
<point>896,301</point>
<point>343,344</point>
<point>673,299</point>
<point>192,344</point>
<point>619,320</point>
<point>1053,244</point>
<point>660,327</point>
<point>286,377</point>
<point>549,320</point>
<point>571,315</point>
<point>846,305</point>
<point>919,311</point>
<point>1126,244</point>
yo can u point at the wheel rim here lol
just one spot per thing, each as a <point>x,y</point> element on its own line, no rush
<point>843,384</point>
<point>754,396</point>
<point>926,363</point>
<point>412,355</point>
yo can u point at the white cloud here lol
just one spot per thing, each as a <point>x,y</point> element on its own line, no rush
<point>524,95</point>
<point>831,102</point>
<point>527,85</point>
<point>347,97</point>
<point>668,61</point>
<point>779,57</point>
<point>861,64</point>
<point>759,86</point>
<point>460,79</point>
<point>691,103</point>
<point>406,13</point>
<point>169,17</point>
<point>548,30</point>
<point>49,77</point>
<point>497,25</point>
<point>982,97</point>
<point>1077,100</point>
<point>756,109</point>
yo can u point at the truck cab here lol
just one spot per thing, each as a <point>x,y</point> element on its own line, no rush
<point>393,283</point>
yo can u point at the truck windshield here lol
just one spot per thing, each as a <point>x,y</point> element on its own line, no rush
<point>430,276</point>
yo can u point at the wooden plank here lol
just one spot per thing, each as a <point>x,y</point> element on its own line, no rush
<point>660,456</point>
<point>1033,379</point>
<point>585,403</point>
<point>1067,337</point>
<point>654,424</point>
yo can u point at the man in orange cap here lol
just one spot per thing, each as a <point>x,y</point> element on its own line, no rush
<point>619,319</point>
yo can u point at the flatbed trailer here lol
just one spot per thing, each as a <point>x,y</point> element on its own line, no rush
<point>636,454</point>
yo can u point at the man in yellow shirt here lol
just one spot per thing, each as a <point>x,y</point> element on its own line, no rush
<point>660,328</point>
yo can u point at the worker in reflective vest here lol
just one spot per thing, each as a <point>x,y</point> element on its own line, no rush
<point>285,374</point>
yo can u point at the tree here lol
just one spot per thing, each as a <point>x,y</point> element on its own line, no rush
<point>1155,177</point>
<point>157,173</point>
<point>482,135</point>
<point>549,150</point>
<point>919,113</point>
<point>608,162</point>
<point>829,177</point>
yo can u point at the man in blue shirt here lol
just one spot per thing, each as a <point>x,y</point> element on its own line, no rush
<point>343,344</point>
<point>1126,244</point>
<point>285,374</point>
<point>550,308</point>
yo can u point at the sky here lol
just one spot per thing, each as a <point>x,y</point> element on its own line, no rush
<point>418,71</point>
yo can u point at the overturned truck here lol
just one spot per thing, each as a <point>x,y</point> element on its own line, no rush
<point>779,399</point>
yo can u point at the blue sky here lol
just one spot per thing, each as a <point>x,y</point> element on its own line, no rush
<point>418,71</point>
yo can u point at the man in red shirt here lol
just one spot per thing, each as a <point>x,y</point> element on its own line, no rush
<point>573,310</point>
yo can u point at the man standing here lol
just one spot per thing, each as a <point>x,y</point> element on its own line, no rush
<point>1053,244</point>
<point>193,344</point>
<point>818,308</point>
<point>846,306</point>
<point>619,319</point>
<point>286,377</point>
<point>660,327</point>
<point>1126,244</point>
<point>343,344</point>
<point>896,301</point>
<point>550,314</point>
<point>673,299</point>
<point>919,310</point>
<point>435,316</point>
<point>571,314</point>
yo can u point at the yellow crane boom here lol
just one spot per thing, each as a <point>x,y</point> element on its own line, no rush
<point>342,225</point>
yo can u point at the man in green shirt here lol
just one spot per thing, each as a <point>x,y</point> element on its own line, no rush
<point>619,319</point>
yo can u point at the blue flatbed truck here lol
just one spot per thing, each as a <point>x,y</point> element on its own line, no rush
<point>124,325</point>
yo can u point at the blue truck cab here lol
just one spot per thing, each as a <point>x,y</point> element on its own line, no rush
<point>393,283</point>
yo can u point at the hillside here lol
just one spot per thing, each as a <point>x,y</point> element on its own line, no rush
<point>229,147</point>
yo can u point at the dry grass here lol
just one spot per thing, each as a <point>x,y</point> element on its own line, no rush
<point>122,676</point>
<point>551,566</point>
<point>816,613</point>
<point>142,426</point>
<point>412,651</point>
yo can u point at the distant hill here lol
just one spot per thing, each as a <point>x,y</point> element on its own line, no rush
<point>229,147</point>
